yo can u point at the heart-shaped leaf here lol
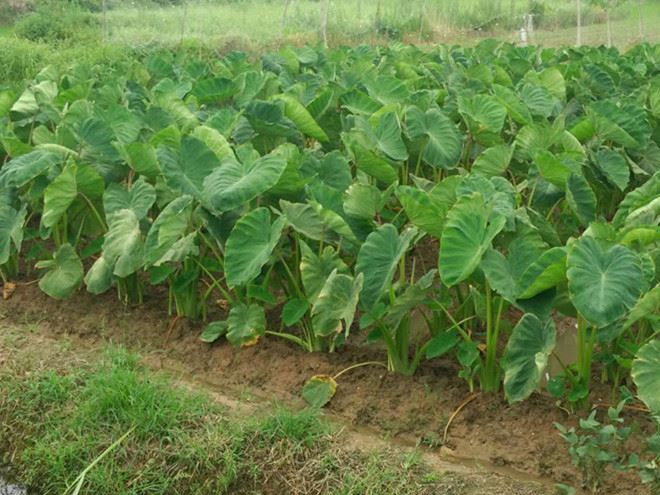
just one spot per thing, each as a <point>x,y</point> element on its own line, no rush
<point>250,245</point>
<point>234,183</point>
<point>140,198</point>
<point>443,143</point>
<point>526,356</point>
<point>334,308</point>
<point>213,331</point>
<point>467,235</point>
<point>378,259</point>
<point>603,282</point>
<point>319,390</point>
<point>245,324</point>
<point>167,229</point>
<point>186,169</point>
<point>11,230</point>
<point>59,195</point>
<point>64,273</point>
<point>122,246</point>
<point>646,374</point>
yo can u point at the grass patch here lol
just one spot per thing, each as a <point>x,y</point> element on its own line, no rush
<point>53,424</point>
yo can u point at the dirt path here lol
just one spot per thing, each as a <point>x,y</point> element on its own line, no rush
<point>509,448</point>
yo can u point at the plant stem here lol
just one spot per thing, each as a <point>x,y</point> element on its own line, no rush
<point>359,365</point>
<point>490,377</point>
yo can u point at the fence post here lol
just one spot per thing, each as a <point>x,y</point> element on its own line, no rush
<point>104,22</point>
<point>578,42</point>
<point>287,3</point>
<point>640,19</point>
<point>183,20</point>
<point>325,8</point>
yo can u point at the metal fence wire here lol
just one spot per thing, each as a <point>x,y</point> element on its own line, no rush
<point>561,22</point>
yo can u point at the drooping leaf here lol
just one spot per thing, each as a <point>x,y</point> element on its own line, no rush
<point>378,260</point>
<point>299,115</point>
<point>526,356</point>
<point>11,230</point>
<point>581,198</point>
<point>59,195</point>
<point>614,167</point>
<point>319,390</point>
<point>334,308</point>
<point>245,324</point>
<point>213,331</point>
<point>99,277</point>
<point>122,246</point>
<point>167,229</point>
<point>293,311</point>
<point>24,168</point>
<point>548,271</point>
<point>215,141</point>
<point>388,136</point>
<point>646,375</point>
<point>315,269</point>
<point>64,273</point>
<point>647,305</point>
<point>250,245</point>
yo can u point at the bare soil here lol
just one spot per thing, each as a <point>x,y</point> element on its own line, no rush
<point>511,442</point>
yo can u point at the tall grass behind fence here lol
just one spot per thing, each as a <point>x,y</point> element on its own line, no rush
<point>269,22</point>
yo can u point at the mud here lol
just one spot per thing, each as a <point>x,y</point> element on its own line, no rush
<point>489,434</point>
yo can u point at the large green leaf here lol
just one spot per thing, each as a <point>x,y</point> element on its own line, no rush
<point>140,198</point>
<point>186,169</point>
<point>245,324</point>
<point>388,137</point>
<point>235,183</point>
<point>99,277</point>
<point>581,198</point>
<point>315,269</point>
<point>24,168</point>
<point>603,282</point>
<point>614,167</point>
<point>636,199</point>
<point>526,356</point>
<point>443,143</point>
<point>378,259</point>
<point>547,271</point>
<point>11,230</point>
<point>59,195</point>
<point>334,308</point>
<point>647,305</point>
<point>467,235</point>
<point>299,115</point>
<point>484,115</point>
<point>122,246</point>
<point>167,229</point>
<point>646,374</point>
<point>250,245</point>
<point>215,141</point>
<point>625,124</point>
<point>493,161</point>
<point>424,213</point>
<point>64,273</point>
<point>319,390</point>
<point>142,158</point>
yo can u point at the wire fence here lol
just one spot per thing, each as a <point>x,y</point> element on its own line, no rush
<point>259,22</point>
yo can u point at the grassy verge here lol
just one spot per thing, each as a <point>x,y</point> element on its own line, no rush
<point>57,420</point>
